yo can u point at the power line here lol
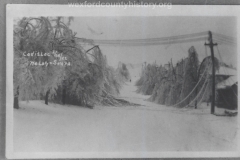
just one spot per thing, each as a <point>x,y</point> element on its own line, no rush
<point>193,37</point>
<point>224,36</point>
<point>200,101</point>
<point>225,39</point>
<point>150,41</point>
<point>159,39</point>
<point>202,90</point>
<point>206,68</point>
<point>221,40</point>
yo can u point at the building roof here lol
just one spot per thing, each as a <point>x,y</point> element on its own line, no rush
<point>226,71</point>
<point>227,82</point>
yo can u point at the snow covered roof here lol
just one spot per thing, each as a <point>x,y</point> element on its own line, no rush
<point>227,82</point>
<point>226,71</point>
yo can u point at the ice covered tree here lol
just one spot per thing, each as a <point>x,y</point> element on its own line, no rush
<point>190,78</point>
<point>122,71</point>
<point>86,81</point>
<point>38,35</point>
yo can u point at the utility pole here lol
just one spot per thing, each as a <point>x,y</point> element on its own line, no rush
<point>211,45</point>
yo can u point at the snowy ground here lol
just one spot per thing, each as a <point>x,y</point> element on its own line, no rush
<point>151,127</point>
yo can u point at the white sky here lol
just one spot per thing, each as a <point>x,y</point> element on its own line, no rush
<point>117,28</point>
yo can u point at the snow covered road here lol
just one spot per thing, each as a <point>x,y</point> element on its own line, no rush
<point>151,127</point>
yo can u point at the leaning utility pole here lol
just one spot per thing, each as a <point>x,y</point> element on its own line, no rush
<point>211,45</point>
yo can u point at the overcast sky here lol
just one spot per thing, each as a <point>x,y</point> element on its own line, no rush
<point>117,28</point>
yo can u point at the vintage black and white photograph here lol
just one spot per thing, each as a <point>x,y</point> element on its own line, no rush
<point>119,84</point>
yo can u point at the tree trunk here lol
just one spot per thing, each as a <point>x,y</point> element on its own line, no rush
<point>16,104</point>
<point>195,104</point>
<point>64,96</point>
<point>46,97</point>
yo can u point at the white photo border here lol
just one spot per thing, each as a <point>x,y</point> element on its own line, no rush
<point>20,10</point>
